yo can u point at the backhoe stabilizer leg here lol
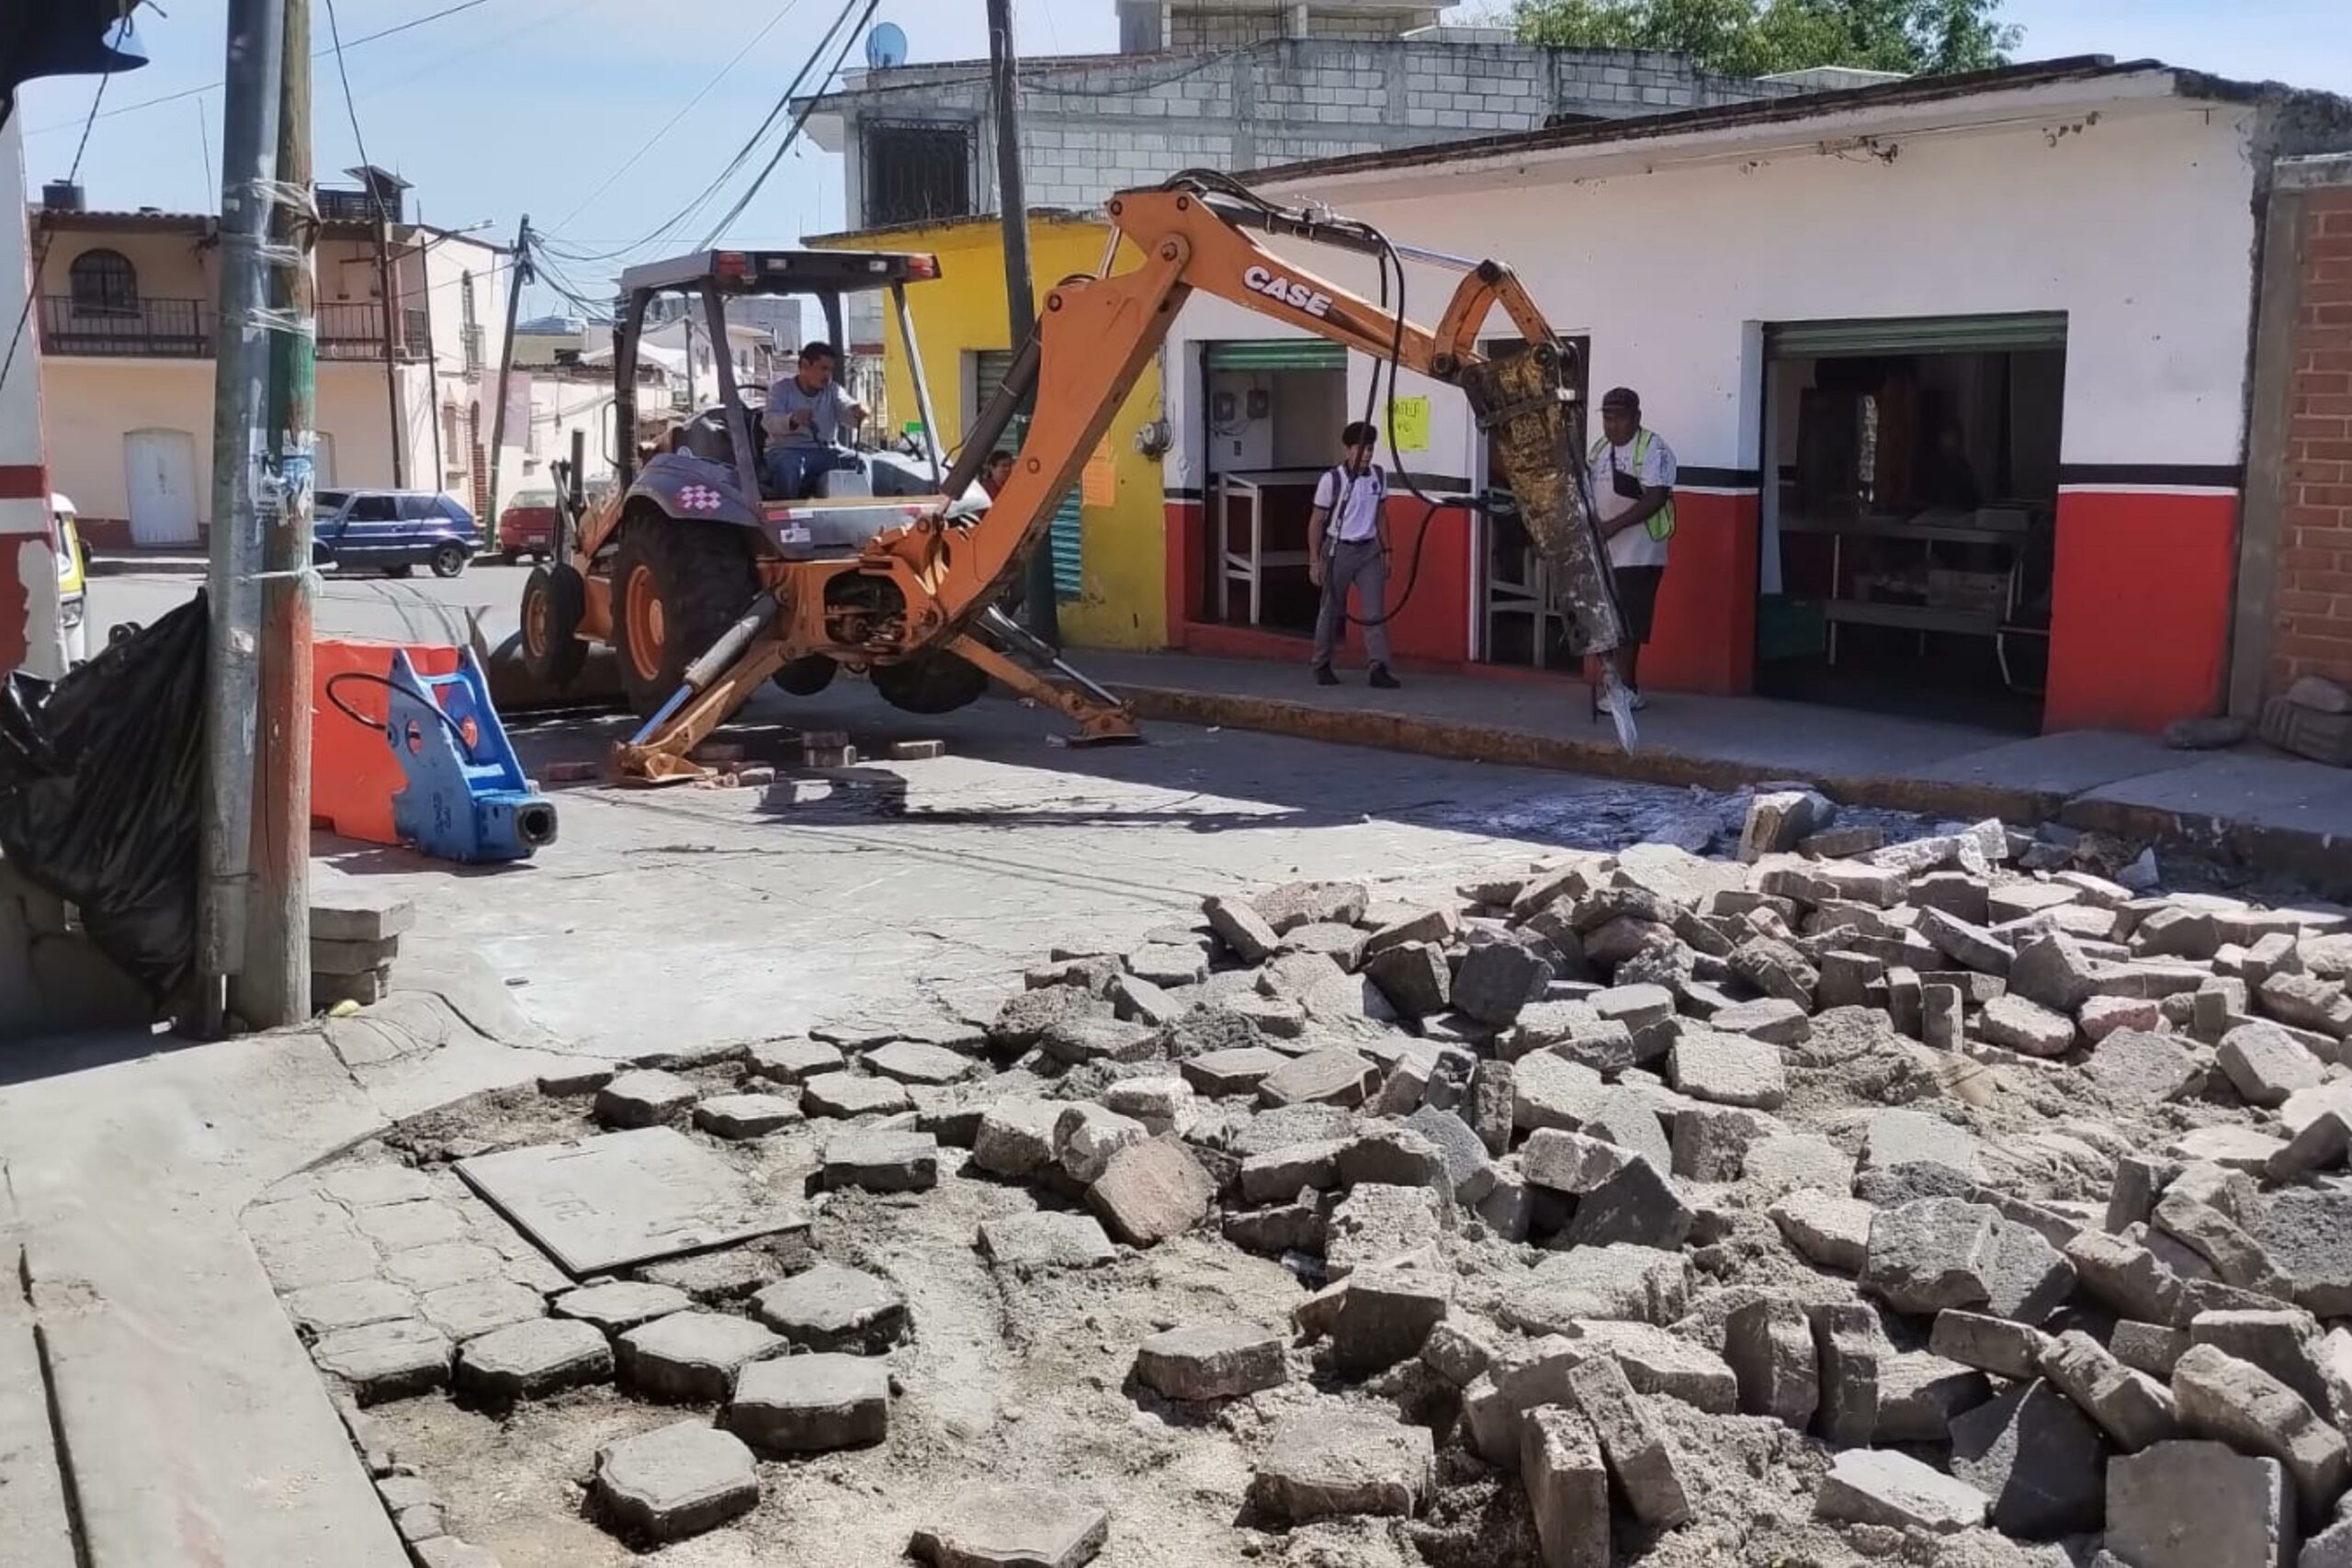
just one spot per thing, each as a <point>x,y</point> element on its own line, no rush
<point>1099,722</point>
<point>717,685</point>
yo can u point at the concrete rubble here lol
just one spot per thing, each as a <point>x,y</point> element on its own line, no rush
<point>1789,1208</point>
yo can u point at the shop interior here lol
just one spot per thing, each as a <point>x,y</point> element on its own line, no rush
<point>1906,551</point>
<point>1275,410</point>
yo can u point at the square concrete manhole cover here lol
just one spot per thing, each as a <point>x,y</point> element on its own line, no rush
<point>622,1198</point>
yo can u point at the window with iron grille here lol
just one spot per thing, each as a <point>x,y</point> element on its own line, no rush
<point>104,281</point>
<point>918,170</point>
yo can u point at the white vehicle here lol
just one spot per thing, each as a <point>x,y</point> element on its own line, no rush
<point>73,582</point>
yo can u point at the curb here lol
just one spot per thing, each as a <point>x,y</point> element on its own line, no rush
<point>2312,858</point>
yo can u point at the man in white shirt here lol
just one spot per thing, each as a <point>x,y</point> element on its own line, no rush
<point>1347,547</point>
<point>1632,495</point>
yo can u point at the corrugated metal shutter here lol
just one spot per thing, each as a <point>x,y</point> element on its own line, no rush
<point>1278,354</point>
<point>988,367</point>
<point>1915,334</point>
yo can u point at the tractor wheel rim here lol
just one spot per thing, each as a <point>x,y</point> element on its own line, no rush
<point>535,614</point>
<point>643,608</point>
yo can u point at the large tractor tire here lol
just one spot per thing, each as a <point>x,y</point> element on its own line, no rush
<point>553,601</point>
<point>806,676</point>
<point>676,589</point>
<point>931,682</point>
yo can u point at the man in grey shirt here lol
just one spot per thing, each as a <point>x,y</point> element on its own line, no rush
<point>808,418</point>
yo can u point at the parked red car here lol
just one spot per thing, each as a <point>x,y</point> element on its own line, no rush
<point>527,526</point>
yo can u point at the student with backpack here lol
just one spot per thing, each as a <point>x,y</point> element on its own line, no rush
<point>1347,547</point>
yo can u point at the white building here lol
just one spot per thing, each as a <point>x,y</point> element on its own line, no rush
<point>1957,370</point>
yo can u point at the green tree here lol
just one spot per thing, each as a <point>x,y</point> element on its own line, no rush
<point>1754,37</point>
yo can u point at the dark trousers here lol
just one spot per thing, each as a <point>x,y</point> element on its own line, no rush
<point>1359,564</point>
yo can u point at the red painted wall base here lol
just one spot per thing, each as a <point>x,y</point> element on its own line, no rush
<point>2139,608</point>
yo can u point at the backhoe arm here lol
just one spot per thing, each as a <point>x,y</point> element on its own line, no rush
<point>1096,335</point>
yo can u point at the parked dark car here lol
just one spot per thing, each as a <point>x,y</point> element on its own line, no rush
<point>393,531</point>
<point>527,526</point>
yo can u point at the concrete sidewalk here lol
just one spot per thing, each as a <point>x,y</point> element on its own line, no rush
<point>2251,806</point>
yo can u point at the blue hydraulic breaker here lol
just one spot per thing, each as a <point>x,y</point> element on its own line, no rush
<point>467,798</point>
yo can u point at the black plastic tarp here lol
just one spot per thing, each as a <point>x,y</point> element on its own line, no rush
<point>101,785</point>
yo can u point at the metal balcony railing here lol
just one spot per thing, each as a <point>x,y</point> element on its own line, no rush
<point>151,329</point>
<point>354,329</point>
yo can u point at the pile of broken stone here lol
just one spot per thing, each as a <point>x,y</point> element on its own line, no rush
<point>2014,1198</point>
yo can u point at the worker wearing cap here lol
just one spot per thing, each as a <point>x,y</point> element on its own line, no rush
<point>1633,494</point>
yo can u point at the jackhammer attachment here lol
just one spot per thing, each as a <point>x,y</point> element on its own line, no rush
<point>1518,405</point>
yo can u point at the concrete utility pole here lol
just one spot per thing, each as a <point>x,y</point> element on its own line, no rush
<point>243,496</point>
<point>384,284</point>
<point>273,988</point>
<point>1039,609</point>
<point>518,273</point>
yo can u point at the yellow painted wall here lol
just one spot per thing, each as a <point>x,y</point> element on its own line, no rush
<point>1123,554</point>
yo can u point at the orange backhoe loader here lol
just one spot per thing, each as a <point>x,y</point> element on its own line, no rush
<point>706,587</point>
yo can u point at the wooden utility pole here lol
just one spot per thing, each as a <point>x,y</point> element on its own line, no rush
<point>518,273</point>
<point>1037,605</point>
<point>242,491</point>
<point>384,275</point>
<point>273,988</point>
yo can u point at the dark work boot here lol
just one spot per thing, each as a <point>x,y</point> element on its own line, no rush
<point>1384,680</point>
<point>1323,676</point>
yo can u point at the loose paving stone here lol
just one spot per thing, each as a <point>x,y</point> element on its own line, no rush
<point>1567,1488</point>
<point>2125,1276</point>
<point>618,1305</point>
<point>1014,1527</point>
<point>1392,1154</point>
<point>2284,1343</point>
<point>1769,1343</point>
<point>1415,977</point>
<point>1465,1155</point>
<point>531,1361</point>
<point>1075,1040</point>
<point>2199,1504</point>
<point>2025,1026</point>
<point>1302,903</point>
<point>1552,1092</point>
<point>2265,1064</point>
<point>794,1061</point>
<point>2037,1459</point>
<point>1029,1242</point>
<point>714,1276</point>
<point>1336,1076</point>
<point>2052,972</point>
<point>353,1304</point>
<point>829,1307</point>
<point>461,1312</point>
<point>1224,1359</point>
<point>2308,1002</point>
<point>880,1160</point>
<point>2238,1402</point>
<point>2027,1277</point>
<point>1725,1069</point>
<point>386,1360</point>
<point>1217,1074</point>
<point>811,1403</point>
<point>1658,1361</point>
<point>1907,1137</point>
<point>1920,1392</point>
<point>1991,1344</point>
<point>1281,1173</point>
<point>1826,1228</point>
<point>1930,1255</point>
<point>2149,1347</point>
<point>2133,1409</point>
<point>1783,1162</point>
<point>1639,1205</point>
<point>1497,980</point>
<point>644,1098</point>
<point>1023,1020</point>
<point>1638,1454</point>
<point>1333,1460</point>
<point>2143,1069</point>
<point>1882,1487</point>
<point>1967,944</point>
<point>1375,1222</point>
<point>846,1095</point>
<point>2237,1148</point>
<point>675,1481</point>
<point>1851,1349</point>
<point>1016,1138</point>
<point>1774,1019</point>
<point>1628,1116</point>
<point>2100,1017</point>
<point>1163,1105</point>
<point>1152,1191</point>
<point>739,1116</point>
<point>1571,1162</point>
<point>1384,1314</point>
<point>910,1063</point>
<point>1638,1283</point>
<point>692,1355</point>
<point>1237,924</point>
<point>2237,1257</point>
<point>448,1551</point>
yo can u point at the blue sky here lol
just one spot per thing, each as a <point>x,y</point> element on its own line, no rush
<point>518,105</point>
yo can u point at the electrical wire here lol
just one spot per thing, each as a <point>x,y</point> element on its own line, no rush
<point>49,235</point>
<point>351,110</point>
<point>793,134</point>
<point>319,54</point>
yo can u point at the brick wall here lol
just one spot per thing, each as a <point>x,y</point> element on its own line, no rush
<point>2313,631</point>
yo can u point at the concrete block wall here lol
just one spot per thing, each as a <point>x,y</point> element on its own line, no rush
<point>2313,635</point>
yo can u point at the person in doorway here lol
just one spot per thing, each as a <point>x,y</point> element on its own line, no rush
<point>1346,547</point>
<point>808,418</point>
<point>996,471</point>
<point>1633,494</point>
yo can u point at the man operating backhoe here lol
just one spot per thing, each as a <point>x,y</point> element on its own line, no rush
<point>807,416</point>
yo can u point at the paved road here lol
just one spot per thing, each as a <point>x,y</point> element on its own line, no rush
<point>424,607</point>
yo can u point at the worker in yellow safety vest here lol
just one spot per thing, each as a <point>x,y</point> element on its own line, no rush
<point>1633,491</point>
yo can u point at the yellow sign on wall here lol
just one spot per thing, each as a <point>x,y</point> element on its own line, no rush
<point>1411,424</point>
<point>1098,483</point>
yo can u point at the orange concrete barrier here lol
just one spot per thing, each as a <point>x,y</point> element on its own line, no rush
<point>354,775</point>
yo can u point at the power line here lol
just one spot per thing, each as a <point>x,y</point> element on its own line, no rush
<point>670,124</point>
<point>792,135</point>
<point>316,54</point>
<point>49,235</point>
